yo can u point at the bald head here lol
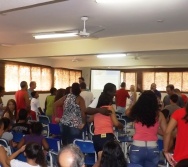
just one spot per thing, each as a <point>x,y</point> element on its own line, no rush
<point>71,156</point>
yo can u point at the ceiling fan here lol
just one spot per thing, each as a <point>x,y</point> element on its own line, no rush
<point>84,33</point>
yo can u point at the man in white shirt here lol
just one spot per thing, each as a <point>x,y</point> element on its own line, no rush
<point>87,96</point>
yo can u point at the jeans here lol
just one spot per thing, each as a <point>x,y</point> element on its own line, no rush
<point>121,110</point>
<point>144,156</point>
<point>69,134</point>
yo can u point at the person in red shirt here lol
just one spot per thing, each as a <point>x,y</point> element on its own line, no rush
<point>121,98</point>
<point>22,97</point>
<point>183,96</point>
<point>179,120</point>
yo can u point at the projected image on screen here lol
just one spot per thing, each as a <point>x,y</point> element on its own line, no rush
<point>100,77</point>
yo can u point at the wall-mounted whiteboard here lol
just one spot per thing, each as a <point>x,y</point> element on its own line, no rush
<point>100,77</point>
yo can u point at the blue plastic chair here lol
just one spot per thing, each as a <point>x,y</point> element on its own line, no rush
<point>54,148</point>
<point>54,129</point>
<point>44,119</point>
<point>87,148</point>
<point>17,136</point>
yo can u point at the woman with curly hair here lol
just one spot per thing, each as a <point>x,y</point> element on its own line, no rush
<point>147,121</point>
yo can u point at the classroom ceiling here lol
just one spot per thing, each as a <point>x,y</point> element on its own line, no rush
<point>129,18</point>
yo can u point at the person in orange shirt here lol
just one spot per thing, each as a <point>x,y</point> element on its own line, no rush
<point>22,97</point>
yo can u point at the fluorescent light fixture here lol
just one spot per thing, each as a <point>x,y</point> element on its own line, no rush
<point>111,55</point>
<point>110,1</point>
<point>54,35</point>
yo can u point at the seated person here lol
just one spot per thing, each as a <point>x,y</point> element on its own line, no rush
<point>35,136</point>
<point>22,126</point>
<point>7,135</point>
<point>33,152</point>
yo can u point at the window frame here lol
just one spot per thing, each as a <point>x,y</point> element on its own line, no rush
<point>4,62</point>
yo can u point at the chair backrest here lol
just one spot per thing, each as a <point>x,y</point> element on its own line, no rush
<point>54,129</point>
<point>91,129</point>
<point>17,136</point>
<point>4,143</point>
<point>44,119</point>
<point>86,146</point>
<point>119,114</point>
<point>54,144</point>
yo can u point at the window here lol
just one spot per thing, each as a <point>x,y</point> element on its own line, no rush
<point>179,80</point>
<point>64,77</point>
<point>15,73</point>
<point>160,78</point>
<point>129,78</point>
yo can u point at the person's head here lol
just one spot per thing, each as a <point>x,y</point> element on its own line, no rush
<point>6,122</point>
<point>32,85</point>
<point>145,110</point>
<point>173,98</point>
<point>132,88</point>
<point>36,128</point>
<point>83,85</point>
<point>71,156</point>
<point>53,91</point>
<point>182,163</point>
<point>153,86</point>
<point>112,155</point>
<point>68,90</point>
<point>177,91</point>
<point>34,94</point>
<point>80,80</point>
<point>110,89</point>
<point>76,89</point>
<point>123,85</point>
<point>22,115</point>
<point>11,105</point>
<point>23,85</point>
<point>1,127</point>
<point>2,91</point>
<point>170,89</point>
<point>34,152</point>
<point>60,93</point>
<point>106,97</point>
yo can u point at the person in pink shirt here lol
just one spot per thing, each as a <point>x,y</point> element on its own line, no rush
<point>147,121</point>
<point>103,125</point>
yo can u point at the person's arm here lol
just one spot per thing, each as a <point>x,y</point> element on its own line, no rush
<point>45,144</point>
<point>91,110</point>
<point>27,101</point>
<point>116,123</point>
<point>135,97</point>
<point>82,108</point>
<point>162,123</point>
<point>4,158</point>
<point>15,154</point>
<point>21,143</point>
<point>167,137</point>
<point>6,115</point>
<point>58,103</point>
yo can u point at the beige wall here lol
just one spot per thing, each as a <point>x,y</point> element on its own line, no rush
<point>131,43</point>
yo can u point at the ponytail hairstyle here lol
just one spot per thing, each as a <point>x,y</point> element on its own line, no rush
<point>186,115</point>
<point>34,151</point>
